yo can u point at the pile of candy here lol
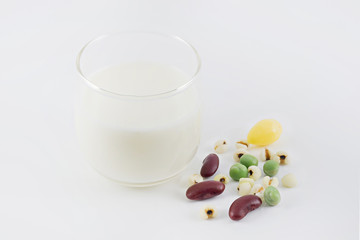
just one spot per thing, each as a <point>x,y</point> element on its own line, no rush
<point>245,171</point>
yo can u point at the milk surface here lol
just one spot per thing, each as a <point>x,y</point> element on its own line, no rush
<point>139,141</point>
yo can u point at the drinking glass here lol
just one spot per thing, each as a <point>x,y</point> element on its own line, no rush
<point>138,111</point>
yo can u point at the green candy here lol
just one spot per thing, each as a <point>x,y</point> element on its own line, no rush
<point>272,196</point>
<point>248,160</point>
<point>238,171</point>
<point>271,168</point>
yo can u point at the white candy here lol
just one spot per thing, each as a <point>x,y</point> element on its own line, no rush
<point>275,158</point>
<point>244,188</point>
<point>238,154</point>
<point>289,180</point>
<point>208,212</point>
<point>195,178</point>
<point>258,190</point>
<point>254,172</point>
<point>265,155</point>
<point>221,146</point>
<point>245,185</point>
<point>267,181</point>
<point>221,178</point>
<point>243,144</point>
<point>283,157</point>
<point>248,180</point>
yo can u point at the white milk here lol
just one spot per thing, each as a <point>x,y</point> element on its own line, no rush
<point>139,141</point>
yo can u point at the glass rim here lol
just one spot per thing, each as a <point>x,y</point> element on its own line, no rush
<point>165,93</point>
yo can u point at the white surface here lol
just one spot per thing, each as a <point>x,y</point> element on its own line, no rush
<point>294,61</point>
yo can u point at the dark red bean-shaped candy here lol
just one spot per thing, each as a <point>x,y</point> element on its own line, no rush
<point>243,205</point>
<point>210,165</point>
<point>205,190</point>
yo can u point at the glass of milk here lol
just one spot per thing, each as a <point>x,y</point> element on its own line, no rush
<point>138,109</point>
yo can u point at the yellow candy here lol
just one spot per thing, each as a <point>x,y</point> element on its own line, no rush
<point>264,132</point>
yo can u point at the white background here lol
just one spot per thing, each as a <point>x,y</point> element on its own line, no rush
<point>296,61</point>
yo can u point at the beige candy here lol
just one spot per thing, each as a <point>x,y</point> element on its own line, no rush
<point>267,181</point>
<point>244,188</point>
<point>242,144</point>
<point>258,190</point>
<point>275,158</point>
<point>265,154</point>
<point>208,212</point>
<point>282,157</point>
<point>221,146</point>
<point>195,178</point>
<point>289,180</point>
<point>249,180</point>
<point>222,178</point>
<point>245,185</point>
<point>254,172</point>
<point>239,153</point>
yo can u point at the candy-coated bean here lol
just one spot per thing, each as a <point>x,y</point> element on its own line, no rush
<point>243,205</point>
<point>248,160</point>
<point>205,190</point>
<point>271,168</point>
<point>272,196</point>
<point>238,171</point>
<point>210,165</point>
